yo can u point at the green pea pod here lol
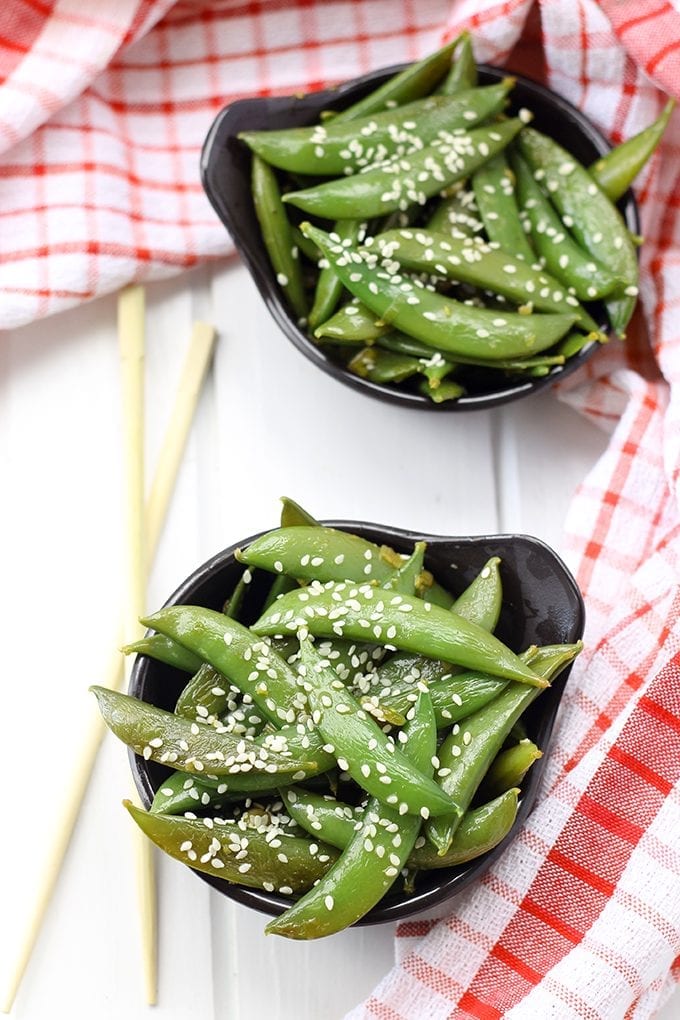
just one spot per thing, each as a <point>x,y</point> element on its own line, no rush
<point>485,267</point>
<point>493,186</point>
<point>164,649</point>
<point>293,514</point>
<point>402,344</point>
<point>329,287</point>
<point>373,858</point>
<point>234,603</point>
<point>594,220</point>
<point>362,749</point>
<point>456,216</point>
<point>304,245</point>
<point>383,366</point>
<point>322,554</point>
<point>480,830</point>
<point>416,80</point>
<point>463,73</point>
<point>467,753</point>
<point>414,178</point>
<point>508,769</point>
<point>438,321</point>
<point>280,586</point>
<point>361,612</point>
<point>354,323</point>
<point>615,172</point>
<point>404,580</point>
<point>205,697</point>
<point>342,147</point>
<point>564,258</point>
<point>251,665</point>
<point>277,235</point>
<point>322,817</point>
<point>180,792</point>
<point>171,740</point>
<point>237,852</point>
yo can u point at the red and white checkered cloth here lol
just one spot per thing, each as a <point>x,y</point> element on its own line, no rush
<point>102,113</point>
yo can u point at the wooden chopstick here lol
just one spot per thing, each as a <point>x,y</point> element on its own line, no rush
<point>194,371</point>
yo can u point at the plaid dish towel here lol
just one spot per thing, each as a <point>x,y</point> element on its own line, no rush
<point>103,108</point>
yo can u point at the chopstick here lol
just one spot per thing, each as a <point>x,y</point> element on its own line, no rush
<point>131,347</point>
<point>194,371</point>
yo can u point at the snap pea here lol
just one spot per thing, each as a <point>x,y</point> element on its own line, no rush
<point>362,749</point>
<point>329,287</point>
<point>352,324</point>
<point>463,73</point>
<point>292,514</point>
<point>234,603</point>
<point>480,830</point>
<point>169,739</point>
<point>251,664</point>
<point>402,344</point>
<point>280,585</point>
<point>180,792</point>
<point>205,697</point>
<point>508,769</point>
<point>304,245</point>
<point>415,178</point>
<point>373,858</point>
<point>615,172</point>
<point>360,612</point>
<point>322,554</point>
<point>563,257</point>
<point>256,855</point>
<point>438,321</point>
<point>277,236</point>
<point>383,366</point>
<point>575,342</point>
<point>164,649</point>
<point>594,220</point>
<point>493,187</point>
<point>346,146</point>
<point>483,266</point>
<point>416,80</point>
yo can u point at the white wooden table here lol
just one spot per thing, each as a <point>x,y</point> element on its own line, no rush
<point>268,424</point>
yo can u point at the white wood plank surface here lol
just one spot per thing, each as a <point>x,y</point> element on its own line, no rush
<point>268,424</point>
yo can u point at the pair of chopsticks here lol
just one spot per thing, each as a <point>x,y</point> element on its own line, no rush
<point>144,527</point>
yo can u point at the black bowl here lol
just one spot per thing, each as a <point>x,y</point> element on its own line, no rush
<point>541,605</point>
<point>225,173</point>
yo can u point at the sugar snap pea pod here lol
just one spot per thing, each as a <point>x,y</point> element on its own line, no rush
<point>440,322</point>
<point>402,344</point>
<point>277,235</point>
<point>329,287</point>
<point>467,753</point>
<point>172,740</point>
<point>287,863</point>
<point>354,323</point>
<point>480,830</point>
<point>594,220</point>
<point>493,186</point>
<point>575,342</point>
<point>280,585</point>
<point>463,73</point>
<point>164,649</point>
<point>456,216</point>
<point>615,172</point>
<point>251,665</point>
<point>563,257</point>
<point>371,758</point>
<point>234,603</point>
<point>414,178</point>
<point>508,769</point>
<point>362,611</point>
<point>205,697</point>
<point>417,80</point>
<point>383,366</point>
<point>472,261</point>
<point>180,792</point>
<point>371,861</point>
<point>322,817</point>
<point>293,514</point>
<point>342,147</point>
<point>320,553</point>
<point>304,245</point>
<point>405,578</point>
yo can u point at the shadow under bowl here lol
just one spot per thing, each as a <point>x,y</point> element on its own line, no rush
<point>541,605</point>
<point>225,174</point>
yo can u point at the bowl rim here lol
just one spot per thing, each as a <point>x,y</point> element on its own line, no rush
<point>269,291</point>
<point>453,880</point>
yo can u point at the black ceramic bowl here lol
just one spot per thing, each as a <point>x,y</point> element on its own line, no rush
<point>225,173</point>
<point>541,605</point>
